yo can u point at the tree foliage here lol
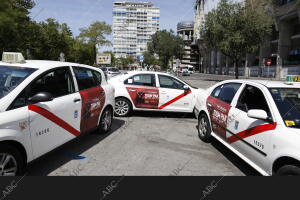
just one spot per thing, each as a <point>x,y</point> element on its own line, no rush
<point>46,40</point>
<point>150,60</point>
<point>166,45</point>
<point>95,35</point>
<point>236,29</point>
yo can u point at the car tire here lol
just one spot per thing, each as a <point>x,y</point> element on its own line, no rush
<point>123,107</point>
<point>11,161</point>
<point>106,120</point>
<point>288,170</point>
<point>204,128</point>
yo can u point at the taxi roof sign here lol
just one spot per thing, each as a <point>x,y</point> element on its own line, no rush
<point>13,57</point>
<point>290,79</point>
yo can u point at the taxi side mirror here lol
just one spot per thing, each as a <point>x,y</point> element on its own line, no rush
<point>186,88</point>
<point>258,114</point>
<point>41,97</point>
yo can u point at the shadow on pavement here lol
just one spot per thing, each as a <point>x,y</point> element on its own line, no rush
<point>154,114</point>
<point>67,152</point>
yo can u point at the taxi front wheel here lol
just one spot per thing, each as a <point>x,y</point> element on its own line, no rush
<point>204,129</point>
<point>288,170</point>
<point>11,161</point>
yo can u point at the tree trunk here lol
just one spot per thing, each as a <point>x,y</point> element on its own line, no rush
<point>236,70</point>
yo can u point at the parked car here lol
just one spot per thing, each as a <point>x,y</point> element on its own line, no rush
<point>186,72</point>
<point>44,104</point>
<point>152,91</point>
<point>111,71</point>
<point>257,120</point>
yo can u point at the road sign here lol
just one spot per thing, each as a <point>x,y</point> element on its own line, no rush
<point>103,59</point>
<point>141,58</point>
<point>269,62</point>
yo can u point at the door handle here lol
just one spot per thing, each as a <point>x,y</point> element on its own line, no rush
<point>209,105</point>
<point>231,118</point>
<point>131,90</point>
<point>77,100</point>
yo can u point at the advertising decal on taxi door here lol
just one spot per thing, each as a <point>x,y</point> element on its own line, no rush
<point>92,104</point>
<point>144,97</point>
<point>218,111</point>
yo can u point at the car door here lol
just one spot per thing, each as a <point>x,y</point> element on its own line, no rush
<point>173,96</point>
<point>249,136</point>
<point>219,106</point>
<point>55,122</point>
<point>143,91</point>
<point>92,95</point>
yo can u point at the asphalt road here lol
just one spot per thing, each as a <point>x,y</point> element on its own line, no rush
<point>144,144</point>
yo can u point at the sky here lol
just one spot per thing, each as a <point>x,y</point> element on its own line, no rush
<point>81,13</point>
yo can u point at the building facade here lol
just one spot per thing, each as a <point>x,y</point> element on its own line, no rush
<point>282,46</point>
<point>133,25</point>
<point>191,54</point>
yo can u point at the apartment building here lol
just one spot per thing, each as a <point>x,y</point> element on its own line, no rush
<point>133,25</point>
<point>185,30</point>
<point>282,46</point>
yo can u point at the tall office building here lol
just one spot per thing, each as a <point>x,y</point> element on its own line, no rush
<point>133,25</point>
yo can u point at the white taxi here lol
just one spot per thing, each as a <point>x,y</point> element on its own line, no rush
<point>44,104</point>
<point>258,120</point>
<point>152,91</point>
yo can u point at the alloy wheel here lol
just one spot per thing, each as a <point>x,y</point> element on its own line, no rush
<point>122,108</point>
<point>8,165</point>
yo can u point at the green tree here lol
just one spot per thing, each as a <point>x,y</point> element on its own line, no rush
<point>149,59</point>
<point>96,35</point>
<point>125,61</point>
<point>54,38</point>
<point>166,45</point>
<point>14,21</point>
<point>236,29</point>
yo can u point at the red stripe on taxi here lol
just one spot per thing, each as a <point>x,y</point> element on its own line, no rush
<point>50,116</point>
<point>251,132</point>
<point>175,99</point>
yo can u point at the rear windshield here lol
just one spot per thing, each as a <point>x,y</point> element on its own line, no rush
<point>11,77</point>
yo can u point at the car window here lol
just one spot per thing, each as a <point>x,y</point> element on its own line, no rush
<point>85,78</point>
<point>20,101</point>
<point>252,98</point>
<point>170,82</point>
<point>113,69</point>
<point>11,77</point>
<point>288,103</point>
<point>58,82</point>
<point>216,92</point>
<point>226,92</point>
<point>142,79</point>
<point>98,77</point>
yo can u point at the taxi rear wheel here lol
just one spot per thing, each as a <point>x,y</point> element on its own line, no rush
<point>123,107</point>
<point>11,161</point>
<point>288,170</point>
<point>106,120</point>
<point>204,129</point>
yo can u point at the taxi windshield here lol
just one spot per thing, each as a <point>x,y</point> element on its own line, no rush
<point>288,104</point>
<point>11,77</point>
